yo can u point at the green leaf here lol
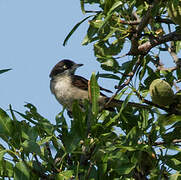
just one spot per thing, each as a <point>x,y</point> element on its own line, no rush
<point>125,168</point>
<point>107,63</point>
<point>71,139</point>
<point>95,92</point>
<point>73,30</point>
<point>2,153</point>
<point>44,140</point>
<point>144,66</point>
<point>95,23</point>
<point>4,70</point>
<point>176,176</point>
<point>133,136</point>
<point>31,147</point>
<point>144,115</point>
<point>65,175</point>
<point>90,35</point>
<point>6,169</point>
<point>60,118</point>
<point>178,72</point>
<point>6,125</point>
<point>25,117</point>
<point>47,127</point>
<point>12,113</point>
<point>120,163</point>
<point>115,6</point>
<point>125,102</point>
<point>28,132</point>
<point>109,76</point>
<point>79,121</point>
<point>109,14</point>
<point>82,6</point>
<point>165,119</point>
<point>173,163</point>
<point>178,46</point>
<point>21,172</point>
<point>108,5</point>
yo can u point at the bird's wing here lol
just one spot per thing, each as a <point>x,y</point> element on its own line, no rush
<point>82,83</point>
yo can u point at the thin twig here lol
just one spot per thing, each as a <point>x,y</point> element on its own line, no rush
<point>119,88</point>
<point>145,20</point>
<point>170,110</point>
<point>136,22</point>
<point>89,170</point>
<point>166,21</point>
<point>172,53</point>
<point>175,141</point>
<point>147,46</point>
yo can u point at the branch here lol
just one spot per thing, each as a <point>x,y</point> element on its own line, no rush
<point>145,20</point>
<point>175,141</point>
<point>170,109</point>
<point>143,23</point>
<point>131,74</point>
<point>160,66</point>
<point>89,170</point>
<point>130,22</point>
<point>173,54</point>
<point>149,102</point>
<point>147,46</point>
<point>166,21</point>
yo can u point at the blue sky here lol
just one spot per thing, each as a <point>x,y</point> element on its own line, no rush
<point>31,37</point>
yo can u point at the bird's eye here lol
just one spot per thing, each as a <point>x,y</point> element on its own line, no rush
<point>65,67</point>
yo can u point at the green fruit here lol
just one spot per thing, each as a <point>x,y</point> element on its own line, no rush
<point>174,11</point>
<point>161,92</point>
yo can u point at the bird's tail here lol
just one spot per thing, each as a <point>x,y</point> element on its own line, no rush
<point>111,103</point>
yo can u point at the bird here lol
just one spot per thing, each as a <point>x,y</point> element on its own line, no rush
<point>68,87</point>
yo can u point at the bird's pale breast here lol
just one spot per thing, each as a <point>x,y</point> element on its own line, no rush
<point>65,93</point>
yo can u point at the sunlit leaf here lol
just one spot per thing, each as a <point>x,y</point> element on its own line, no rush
<point>21,172</point>
<point>110,12</point>
<point>175,176</point>
<point>31,147</point>
<point>109,76</point>
<point>94,94</point>
<point>178,46</point>
<point>82,6</point>
<point>6,126</point>
<point>6,169</point>
<point>65,175</point>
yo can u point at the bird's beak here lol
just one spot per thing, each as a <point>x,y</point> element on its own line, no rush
<point>74,67</point>
<point>77,66</point>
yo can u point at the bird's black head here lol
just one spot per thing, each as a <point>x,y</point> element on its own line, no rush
<point>64,66</point>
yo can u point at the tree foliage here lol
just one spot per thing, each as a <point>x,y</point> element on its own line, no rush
<point>131,143</point>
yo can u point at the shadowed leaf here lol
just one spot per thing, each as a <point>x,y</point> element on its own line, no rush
<point>73,30</point>
<point>4,70</point>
